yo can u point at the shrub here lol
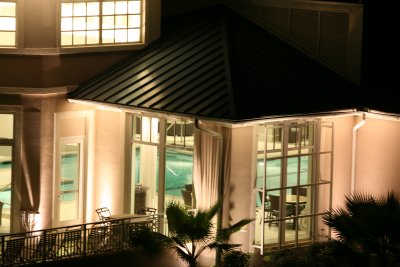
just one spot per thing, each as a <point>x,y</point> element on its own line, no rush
<point>236,258</point>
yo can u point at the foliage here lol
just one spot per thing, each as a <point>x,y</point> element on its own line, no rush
<point>189,234</point>
<point>236,258</point>
<point>193,233</point>
<point>367,229</point>
<point>152,244</point>
<point>315,255</point>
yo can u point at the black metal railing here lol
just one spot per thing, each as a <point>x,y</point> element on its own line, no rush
<point>73,241</point>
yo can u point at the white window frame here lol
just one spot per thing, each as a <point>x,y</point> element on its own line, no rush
<point>101,46</point>
<point>313,186</point>
<point>17,27</point>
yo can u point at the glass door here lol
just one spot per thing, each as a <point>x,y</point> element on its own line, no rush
<point>6,170</point>
<point>5,187</point>
<point>69,189</point>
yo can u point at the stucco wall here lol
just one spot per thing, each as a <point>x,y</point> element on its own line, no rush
<point>109,160</point>
<point>342,158</point>
<point>241,182</point>
<point>378,154</point>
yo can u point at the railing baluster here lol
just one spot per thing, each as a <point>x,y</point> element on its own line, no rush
<point>112,236</point>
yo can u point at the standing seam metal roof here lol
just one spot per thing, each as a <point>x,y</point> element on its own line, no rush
<point>215,64</point>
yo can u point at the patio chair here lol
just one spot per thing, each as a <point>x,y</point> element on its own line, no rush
<point>71,242</point>
<point>13,251</point>
<point>45,248</point>
<point>147,211</point>
<point>275,202</point>
<point>267,206</point>
<point>187,198</point>
<point>103,213</point>
<point>97,238</point>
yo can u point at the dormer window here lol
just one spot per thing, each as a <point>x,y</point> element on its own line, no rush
<point>8,23</point>
<point>101,22</point>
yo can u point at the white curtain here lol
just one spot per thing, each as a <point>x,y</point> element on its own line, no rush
<point>209,141</point>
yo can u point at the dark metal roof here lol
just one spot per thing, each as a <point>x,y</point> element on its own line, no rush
<point>215,64</point>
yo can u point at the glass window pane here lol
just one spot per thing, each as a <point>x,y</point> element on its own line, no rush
<point>189,138</point>
<point>66,9</point>
<point>137,128</point>
<point>305,169</point>
<point>292,171</point>
<point>108,36</point>
<point>7,24</point>
<point>170,132</point>
<point>121,21</point>
<point>93,9</point>
<point>79,23</point>
<point>108,22</point>
<point>155,132</point>
<point>66,38</point>
<point>5,185</point>
<point>92,37</point>
<point>7,126</point>
<point>134,7</point>
<point>178,176</point>
<point>179,133</point>
<point>134,21</point>
<point>69,181</point>
<point>273,170</point>
<point>80,9</point>
<point>121,36</point>
<point>145,161</point>
<point>79,38</point>
<point>93,23</point>
<point>7,9</point>
<point>7,38</point>
<point>121,7</point>
<point>133,35</point>
<point>108,8</point>
<point>66,24</point>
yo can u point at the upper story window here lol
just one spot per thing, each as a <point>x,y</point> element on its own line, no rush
<point>8,23</point>
<point>101,22</point>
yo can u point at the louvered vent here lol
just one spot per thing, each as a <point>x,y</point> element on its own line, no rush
<point>333,40</point>
<point>304,28</point>
<point>277,18</point>
<point>322,33</point>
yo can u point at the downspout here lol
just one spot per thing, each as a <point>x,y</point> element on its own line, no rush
<point>220,179</point>
<point>353,152</point>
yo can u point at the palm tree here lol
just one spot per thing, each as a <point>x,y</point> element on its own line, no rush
<point>367,229</point>
<point>189,234</point>
<point>193,233</point>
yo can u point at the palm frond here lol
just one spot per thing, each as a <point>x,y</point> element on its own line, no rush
<point>225,233</point>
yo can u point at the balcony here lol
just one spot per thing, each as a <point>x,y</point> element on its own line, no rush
<point>75,242</point>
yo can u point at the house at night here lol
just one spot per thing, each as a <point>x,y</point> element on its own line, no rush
<point>130,104</point>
